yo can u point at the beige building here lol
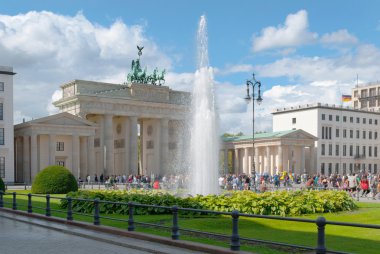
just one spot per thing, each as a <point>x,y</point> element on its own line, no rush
<point>6,124</point>
<point>292,151</point>
<point>99,128</point>
<point>366,96</point>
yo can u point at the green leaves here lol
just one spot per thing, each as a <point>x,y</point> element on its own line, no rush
<point>283,203</point>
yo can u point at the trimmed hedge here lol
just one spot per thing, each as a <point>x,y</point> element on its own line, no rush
<point>54,180</point>
<point>2,186</point>
<point>283,203</point>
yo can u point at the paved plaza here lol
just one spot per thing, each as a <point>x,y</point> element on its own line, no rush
<point>20,235</point>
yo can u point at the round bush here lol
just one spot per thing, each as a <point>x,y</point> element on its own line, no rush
<point>54,180</point>
<point>2,186</point>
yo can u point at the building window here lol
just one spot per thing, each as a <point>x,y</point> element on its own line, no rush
<point>344,150</point>
<point>370,168</point>
<point>344,133</point>
<point>330,169</point>
<point>357,134</point>
<point>323,151</point>
<point>2,136</point>
<point>336,168</point>
<point>375,151</point>
<point>149,144</point>
<point>60,146</point>
<point>351,119</point>
<point>1,111</point>
<point>375,121</point>
<point>375,134</point>
<point>364,150</point>
<point>330,149</point>
<point>357,120</point>
<point>375,168</point>
<point>344,168</point>
<point>2,167</point>
<point>364,134</point>
<point>351,167</point>
<point>351,150</point>
<point>337,118</point>
<point>2,86</point>
<point>344,118</point>
<point>336,150</point>
<point>364,120</point>
<point>60,163</point>
<point>294,120</point>
<point>370,121</point>
<point>330,117</point>
<point>351,134</point>
<point>357,151</point>
<point>322,168</point>
<point>97,142</point>
<point>323,132</point>
<point>370,151</point>
<point>370,134</point>
<point>330,128</point>
<point>337,133</point>
<point>323,116</point>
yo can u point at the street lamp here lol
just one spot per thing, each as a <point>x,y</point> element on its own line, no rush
<point>258,99</point>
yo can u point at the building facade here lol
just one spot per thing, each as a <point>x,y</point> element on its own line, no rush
<point>290,150</point>
<point>367,96</point>
<point>124,113</point>
<point>348,139</point>
<point>6,124</point>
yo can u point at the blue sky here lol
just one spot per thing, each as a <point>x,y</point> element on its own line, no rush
<point>302,51</point>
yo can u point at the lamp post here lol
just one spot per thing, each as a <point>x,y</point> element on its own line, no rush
<point>258,99</point>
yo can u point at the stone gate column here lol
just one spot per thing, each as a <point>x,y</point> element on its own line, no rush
<point>164,145</point>
<point>302,169</point>
<point>236,161</point>
<point>225,160</point>
<point>267,159</point>
<point>108,142</point>
<point>280,162</point>
<point>133,160</point>
<point>75,155</point>
<point>246,161</point>
<point>91,157</point>
<point>26,159</point>
<point>52,149</point>
<point>126,154</point>
<point>33,156</point>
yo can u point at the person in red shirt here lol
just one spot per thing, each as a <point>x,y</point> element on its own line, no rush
<point>364,185</point>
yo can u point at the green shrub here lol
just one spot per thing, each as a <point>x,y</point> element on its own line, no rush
<point>2,186</point>
<point>283,203</point>
<point>54,180</point>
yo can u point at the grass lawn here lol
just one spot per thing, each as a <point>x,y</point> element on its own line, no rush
<point>347,239</point>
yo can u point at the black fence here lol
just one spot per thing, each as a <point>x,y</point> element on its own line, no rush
<point>234,237</point>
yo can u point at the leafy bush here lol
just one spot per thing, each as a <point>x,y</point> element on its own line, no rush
<point>136,196</point>
<point>54,180</point>
<point>283,203</point>
<point>2,186</point>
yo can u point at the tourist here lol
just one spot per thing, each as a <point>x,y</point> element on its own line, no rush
<point>364,185</point>
<point>374,183</point>
<point>96,178</point>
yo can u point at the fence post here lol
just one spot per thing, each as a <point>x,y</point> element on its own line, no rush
<point>48,211</point>
<point>131,223</point>
<point>30,210</point>
<point>69,209</point>
<point>175,233</point>
<point>321,248</point>
<point>96,212</point>
<point>1,199</point>
<point>235,239</point>
<point>14,204</point>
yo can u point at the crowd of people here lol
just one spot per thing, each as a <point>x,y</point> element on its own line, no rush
<point>363,184</point>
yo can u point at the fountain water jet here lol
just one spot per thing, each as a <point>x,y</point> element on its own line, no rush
<point>204,143</point>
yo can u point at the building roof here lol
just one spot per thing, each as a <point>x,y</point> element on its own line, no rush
<point>263,135</point>
<point>324,106</point>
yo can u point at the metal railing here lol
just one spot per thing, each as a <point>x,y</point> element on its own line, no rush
<point>234,237</point>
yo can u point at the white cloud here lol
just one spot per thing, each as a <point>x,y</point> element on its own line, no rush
<point>48,49</point>
<point>293,33</point>
<point>341,37</point>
